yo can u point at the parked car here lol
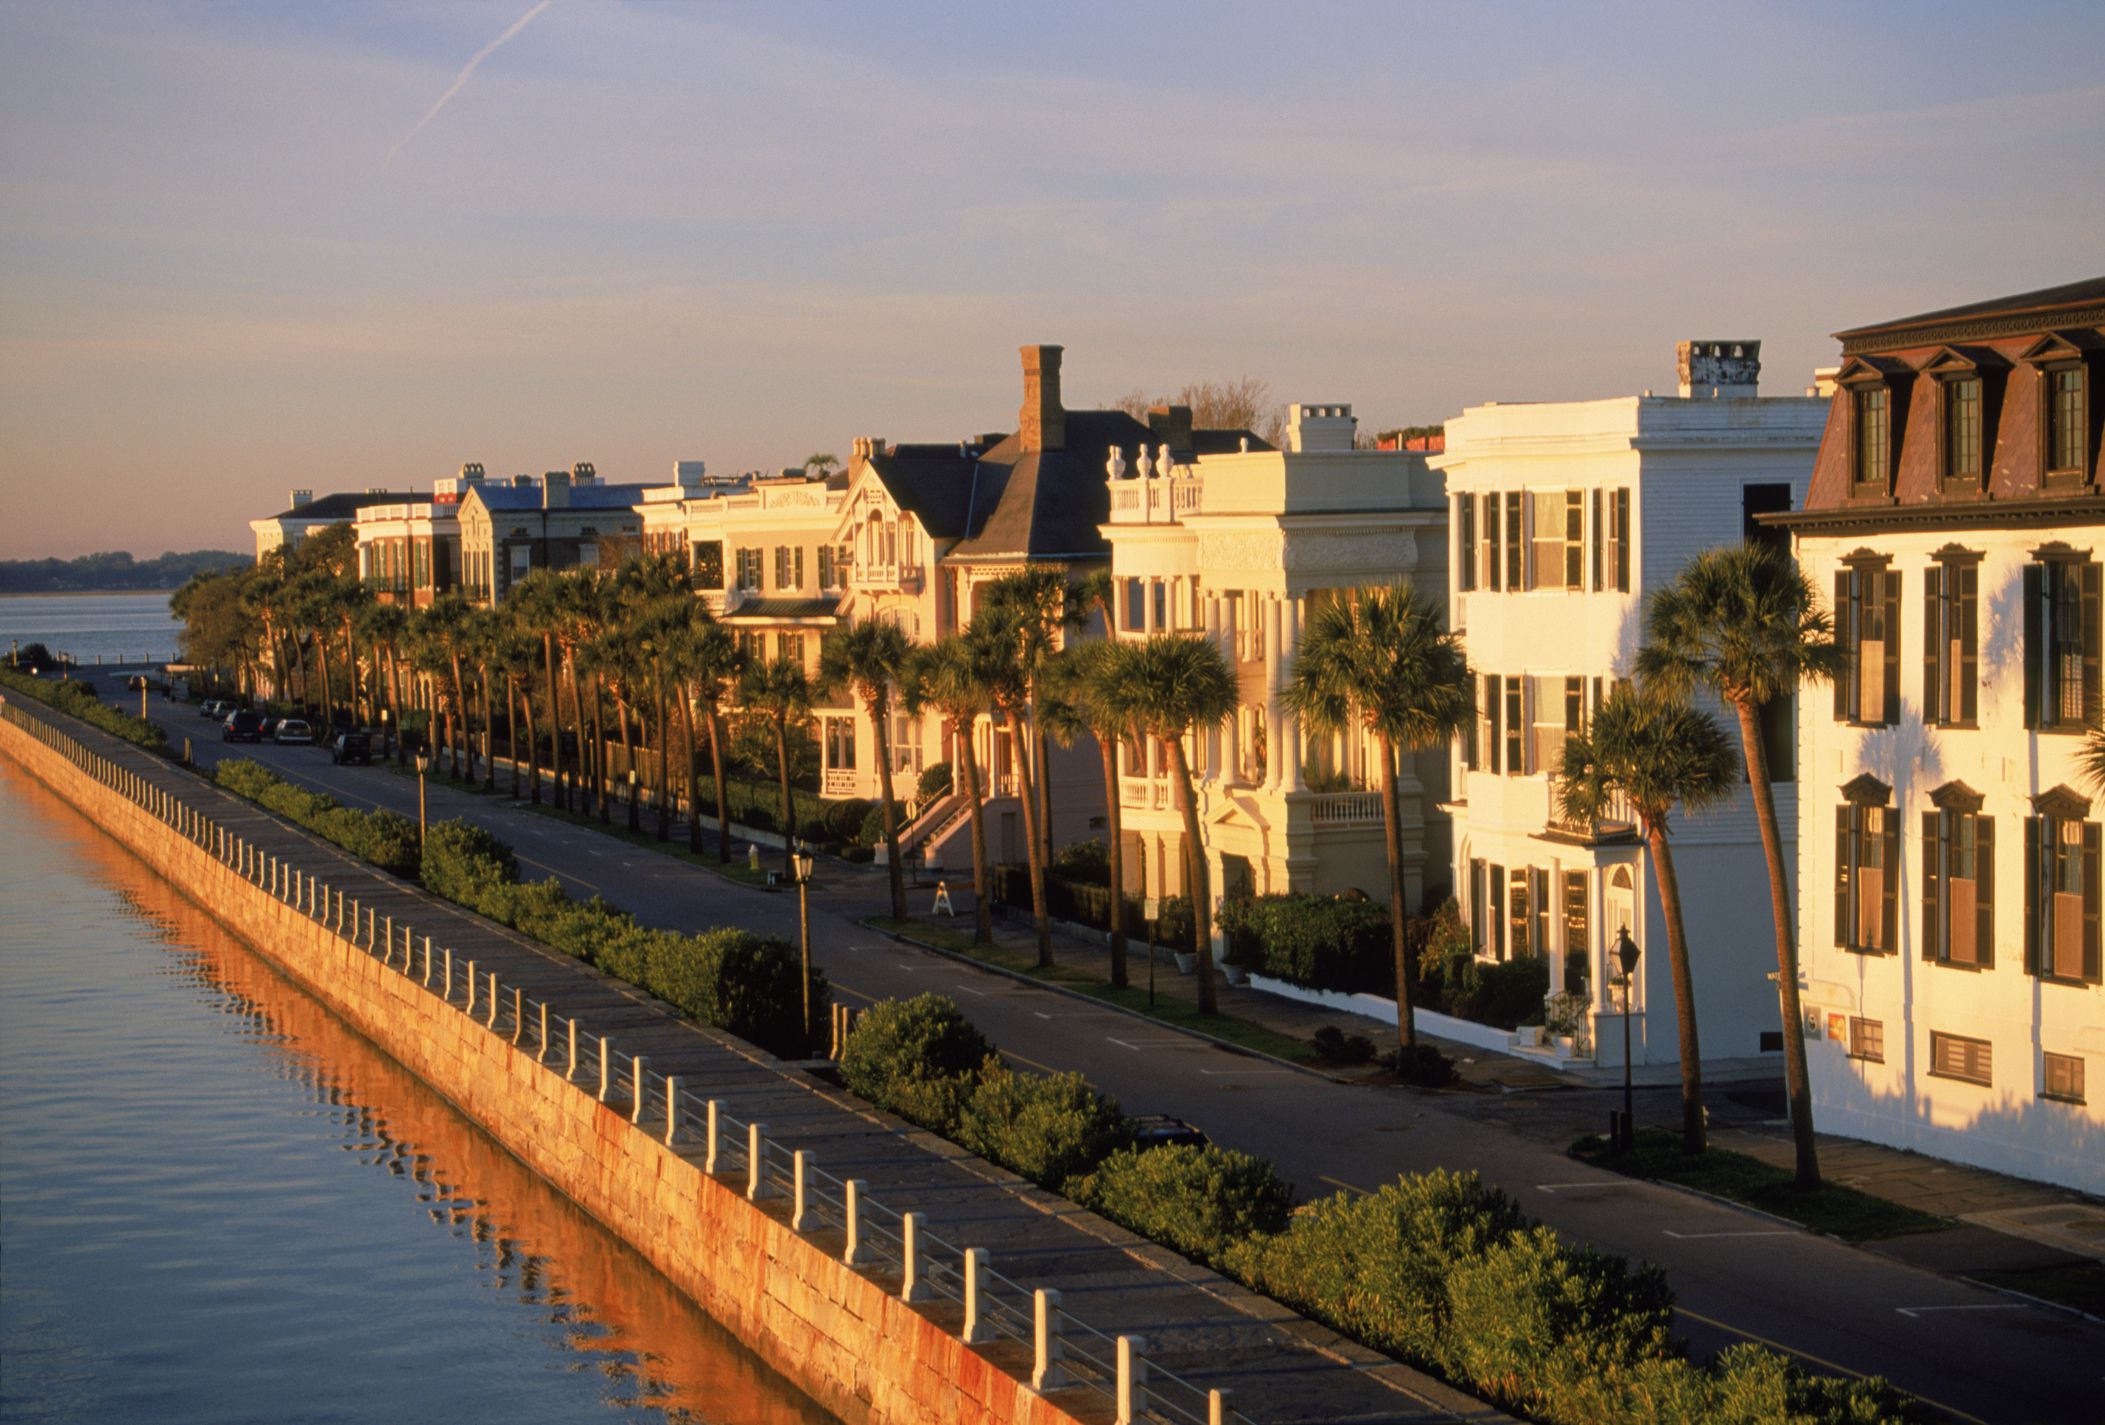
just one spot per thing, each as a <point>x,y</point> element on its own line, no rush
<point>243,726</point>
<point>270,725</point>
<point>293,730</point>
<point>352,747</point>
<point>215,708</point>
<point>1159,1130</point>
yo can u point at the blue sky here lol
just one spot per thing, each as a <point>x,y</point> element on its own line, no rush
<point>647,231</point>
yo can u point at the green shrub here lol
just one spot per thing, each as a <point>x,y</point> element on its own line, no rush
<point>1047,1129</point>
<point>1320,942</point>
<point>466,864</point>
<point>745,984</point>
<point>1335,1046</point>
<point>1425,1066</point>
<point>872,830</point>
<point>1086,863</point>
<point>1504,994</point>
<point>379,837</point>
<point>915,1058</point>
<point>842,820</point>
<point>77,699</point>
<point>1198,1201</point>
<point>935,780</point>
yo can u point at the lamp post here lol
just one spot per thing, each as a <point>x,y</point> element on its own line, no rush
<point>386,746</point>
<point>1626,956</point>
<point>801,862</point>
<point>635,821</point>
<point>423,766</point>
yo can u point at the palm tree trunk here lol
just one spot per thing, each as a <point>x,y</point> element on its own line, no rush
<point>1692,1135</point>
<point>1201,901</point>
<point>1797,1083</point>
<point>351,662</point>
<point>716,772</point>
<point>1392,833</point>
<point>694,782</point>
<point>598,761</point>
<point>982,910</point>
<point>460,701</point>
<point>628,757</point>
<point>1115,836</point>
<point>1019,744</point>
<point>511,727</point>
<point>321,659</point>
<point>664,737</point>
<point>489,728</point>
<point>880,715</point>
<point>1044,770</point>
<point>533,749</point>
<point>394,700</point>
<point>555,722</point>
<point>789,804</point>
<point>581,796</point>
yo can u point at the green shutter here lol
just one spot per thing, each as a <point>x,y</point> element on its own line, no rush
<point>1933,687</point>
<point>2035,902</point>
<point>2091,579</point>
<point>1844,936</point>
<point>1968,610</point>
<point>1889,714</point>
<point>2090,898</point>
<point>1931,938</point>
<point>1889,885</point>
<point>1845,636</point>
<point>1984,891</point>
<point>2035,659</point>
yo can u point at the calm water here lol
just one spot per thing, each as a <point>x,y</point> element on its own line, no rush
<point>221,1205</point>
<point>112,627</point>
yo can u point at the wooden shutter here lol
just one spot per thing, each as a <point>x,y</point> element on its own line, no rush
<point>1516,543</point>
<point>2090,898</point>
<point>1889,883</point>
<point>1933,680</point>
<point>1528,752</point>
<point>1966,606</point>
<point>1574,538</point>
<point>1476,724</point>
<point>1845,635</point>
<point>1622,541</point>
<point>1465,542</point>
<point>2035,899</point>
<point>1527,540</point>
<point>1488,541</point>
<point>2092,573</point>
<point>1494,699</point>
<point>1889,713</point>
<point>2036,657</point>
<point>1844,929</point>
<point>1599,534</point>
<point>1932,839</point>
<point>1539,898</point>
<point>1984,891</point>
<point>1497,947</point>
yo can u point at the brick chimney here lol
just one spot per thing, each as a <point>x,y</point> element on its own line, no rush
<point>1171,426</point>
<point>1042,423</point>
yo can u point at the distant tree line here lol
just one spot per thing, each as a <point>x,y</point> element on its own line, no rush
<point>113,570</point>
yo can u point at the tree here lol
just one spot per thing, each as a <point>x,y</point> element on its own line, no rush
<point>1171,686</point>
<point>1085,690</point>
<point>949,676</point>
<point>777,690</point>
<point>823,463</point>
<point>869,656</point>
<point>537,602</point>
<point>441,627</point>
<point>1654,751</point>
<point>1743,621</point>
<point>1382,659</point>
<point>1242,404</point>
<point>715,670</point>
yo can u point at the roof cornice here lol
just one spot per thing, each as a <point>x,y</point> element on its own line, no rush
<point>1979,328</point>
<point>1972,514</point>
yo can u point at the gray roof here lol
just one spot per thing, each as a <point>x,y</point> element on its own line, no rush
<point>346,507</point>
<point>582,497</point>
<point>785,607</point>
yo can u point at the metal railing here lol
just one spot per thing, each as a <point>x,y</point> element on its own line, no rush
<point>876,1238</point>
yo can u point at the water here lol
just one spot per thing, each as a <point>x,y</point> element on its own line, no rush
<point>222,1205</point>
<point>112,627</point>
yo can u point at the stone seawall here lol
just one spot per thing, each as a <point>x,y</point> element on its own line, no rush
<point>844,1337</point>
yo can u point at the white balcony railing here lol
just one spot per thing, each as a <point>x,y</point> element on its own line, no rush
<point>1345,809</point>
<point>841,782</point>
<point>1161,500</point>
<point>887,576</point>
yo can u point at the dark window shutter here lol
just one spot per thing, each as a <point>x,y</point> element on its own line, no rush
<point>1890,713</point>
<point>1968,609</point>
<point>1574,537</point>
<point>1539,899</point>
<point>1933,685</point>
<point>1889,885</point>
<point>1844,936</point>
<point>1496,947</point>
<point>1527,540</point>
<point>1600,535</point>
<point>2091,688</point>
<point>1476,724</point>
<point>1494,699</point>
<point>1493,560</point>
<point>2090,900</point>
<point>1516,544</point>
<point>1932,825</point>
<point>1845,635</point>
<point>1622,541</point>
<point>2035,655</point>
<point>1984,891</point>
<point>2035,900</point>
<point>1465,542</point>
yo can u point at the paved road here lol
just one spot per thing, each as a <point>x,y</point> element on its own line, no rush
<point>1976,1353</point>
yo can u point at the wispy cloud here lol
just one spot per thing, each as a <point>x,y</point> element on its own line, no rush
<point>460,80</point>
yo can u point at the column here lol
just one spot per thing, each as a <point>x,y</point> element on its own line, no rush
<point>1290,727</point>
<point>1272,680</point>
<point>1230,732</point>
<point>1210,739</point>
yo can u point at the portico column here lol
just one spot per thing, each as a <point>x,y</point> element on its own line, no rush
<point>1212,735</point>
<point>1272,727</point>
<point>1290,727</point>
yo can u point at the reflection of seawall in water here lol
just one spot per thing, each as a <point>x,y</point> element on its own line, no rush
<point>624,1319</point>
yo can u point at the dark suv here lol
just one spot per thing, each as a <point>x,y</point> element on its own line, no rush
<point>243,726</point>
<point>352,747</point>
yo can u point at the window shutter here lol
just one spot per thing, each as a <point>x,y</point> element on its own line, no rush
<point>1574,538</point>
<point>1598,535</point>
<point>1527,539</point>
<point>1843,927</point>
<point>1495,700</point>
<point>1845,635</point>
<point>2035,656</point>
<point>1497,945</point>
<point>1528,755</point>
<point>1984,891</point>
<point>1890,712</point>
<point>1622,541</point>
<point>1967,606</point>
<point>1932,825</point>
<point>1489,536</point>
<point>1539,900</point>
<point>1889,885</point>
<point>2090,899</point>
<point>1516,544</point>
<point>2035,902</point>
<point>1475,728</point>
<point>2091,579</point>
<point>1933,700</point>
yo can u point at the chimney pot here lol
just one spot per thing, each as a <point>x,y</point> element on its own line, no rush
<point>1042,422</point>
<point>1724,369</point>
<point>299,498</point>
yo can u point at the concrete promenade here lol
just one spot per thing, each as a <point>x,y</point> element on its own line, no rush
<point>1196,1325</point>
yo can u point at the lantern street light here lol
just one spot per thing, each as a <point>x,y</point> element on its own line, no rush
<point>423,766</point>
<point>386,747</point>
<point>635,820</point>
<point>1626,956</point>
<point>800,862</point>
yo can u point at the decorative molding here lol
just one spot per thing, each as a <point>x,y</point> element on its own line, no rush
<point>1968,329</point>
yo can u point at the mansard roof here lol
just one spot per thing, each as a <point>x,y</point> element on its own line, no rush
<point>2079,304</point>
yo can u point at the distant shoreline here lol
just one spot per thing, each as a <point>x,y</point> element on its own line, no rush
<point>81,593</point>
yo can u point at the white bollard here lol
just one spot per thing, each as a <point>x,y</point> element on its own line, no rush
<point>976,1331</point>
<point>541,1054</point>
<point>604,1062</point>
<point>756,1161</point>
<point>851,1210</point>
<point>387,956</point>
<point>570,1072</point>
<point>427,961</point>
<point>490,1017</point>
<point>1132,1379</point>
<point>447,991</point>
<point>1220,1406</point>
<point>1046,1371</point>
<point>672,1109</point>
<point>911,1287</point>
<point>469,1008</point>
<point>636,1070</point>
<point>518,1013</point>
<point>799,1163</point>
<point>710,1111</point>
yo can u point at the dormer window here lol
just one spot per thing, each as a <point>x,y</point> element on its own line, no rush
<point>1877,404</point>
<point>1962,429</point>
<point>1874,436</point>
<point>2061,360</point>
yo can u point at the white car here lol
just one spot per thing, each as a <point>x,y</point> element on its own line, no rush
<point>292,730</point>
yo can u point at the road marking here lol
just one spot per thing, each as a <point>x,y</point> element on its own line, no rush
<point>1606,1183</point>
<point>1215,1073</point>
<point>1913,1311</point>
<point>1041,1068</point>
<point>1137,1046</point>
<point>1952,1411</point>
<point>1763,1232</point>
<point>1341,1183</point>
<point>565,875</point>
<point>971,991</point>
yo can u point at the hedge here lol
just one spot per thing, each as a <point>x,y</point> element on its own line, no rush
<point>76,699</point>
<point>1047,1129</point>
<point>915,1058</point>
<point>1195,1200</point>
<point>1320,942</point>
<point>385,839</point>
<point>1090,905</point>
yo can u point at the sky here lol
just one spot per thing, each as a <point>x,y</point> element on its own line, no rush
<point>247,247</point>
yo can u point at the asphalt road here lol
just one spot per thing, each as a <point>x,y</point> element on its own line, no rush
<point>1978,1354</point>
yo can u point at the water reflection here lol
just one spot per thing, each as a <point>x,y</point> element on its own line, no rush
<point>568,1284</point>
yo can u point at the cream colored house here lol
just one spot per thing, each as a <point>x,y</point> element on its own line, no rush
<point>562,520</point>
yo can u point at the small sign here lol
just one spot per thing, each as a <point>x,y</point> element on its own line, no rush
<point>942,905</point>
<point>1151,908</point>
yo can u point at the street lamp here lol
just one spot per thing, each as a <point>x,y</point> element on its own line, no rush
<point>1626,956</point>
<point>385,745</point>
<point>635,822</point>
<point>140,683</point>
<point>800,862</point>
<point>423,766</point>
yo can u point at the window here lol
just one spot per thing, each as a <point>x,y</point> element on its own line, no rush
<point>1969,1060</point>
<point>789,566</point>
<point>1519,943</point>
<point>1962,430</point>
<point>1135,604</point>
<point>1867,1039</point>
<point>1958,881</point>
<point>1867,865</point>
<point>1873,437</point>
<point>1488,707</point>
<point>1516,719</point>
<point>2061,596</point>
<point>2061,888</point>
<point>840,743</point>
<point>1577,933</point>
<point>2062,1078</point>
<point>1490,568</point>
<point>1867,625</point>
<point>1951,640</point>
<point>1554,718</point>
<point>1611,541</point>
<point>1553,516</point>
<point>709,564</point>
<point>1465,542</point>
<point>2064,420</point>
<point>789,648</point>
<point>1515,542</point>
<point>1478,919</point>
<point>829,573</point>
<point>749,569</point>
<point>1768,498</point>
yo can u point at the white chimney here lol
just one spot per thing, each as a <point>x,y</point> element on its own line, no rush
<point>555,490</point>
<point>1329,427</point>
<point>299,498</point>
<point>689,474</point>
<point>1719,370</point>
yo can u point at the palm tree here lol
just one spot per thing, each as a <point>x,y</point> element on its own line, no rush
<point>777,690</point>
<point>385,628</point>
<point>949,676</point>
<point>1083,694</point>
<point>715,670</point>
<point>869,656</point>
<point>1381,659</point>
<point>518,650</point>
<point>615,660</point>
<point>442,625</point>
<point>537,602</point>
<point>1013,631</point>
<point>686,625</point>
<point>1743,621</point>
<point>1173,685</point>
<point>1654,751</point>
<point>481,630</point>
